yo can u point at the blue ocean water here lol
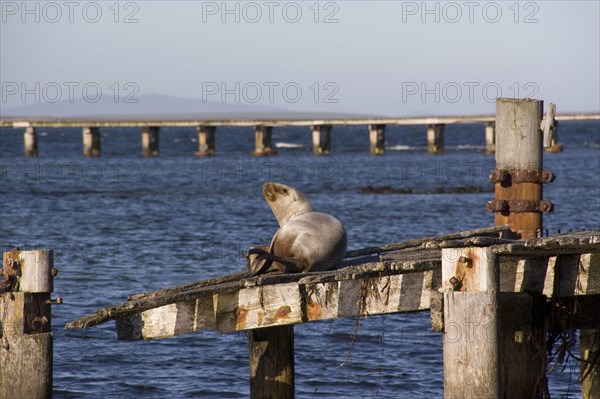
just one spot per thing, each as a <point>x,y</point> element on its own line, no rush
<point>123,224</point>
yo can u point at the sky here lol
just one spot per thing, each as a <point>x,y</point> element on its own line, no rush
<point>392,58</point>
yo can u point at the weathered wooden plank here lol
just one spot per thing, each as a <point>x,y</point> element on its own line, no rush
<point>559,276</point>
<point>493,231</point>
<point>167,321</point>
<point>571,243</point>
<point>316,296</point>
<point>289,303</point>
<point>154,301</point>
<point>256,307</point>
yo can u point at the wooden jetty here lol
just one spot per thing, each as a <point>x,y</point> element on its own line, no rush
<point>478,289</point>
<point>320,131</point>
<point>501,295</point>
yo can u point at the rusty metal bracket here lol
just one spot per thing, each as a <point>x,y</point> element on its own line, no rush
<point>520,206</point>
<point>522,176</point>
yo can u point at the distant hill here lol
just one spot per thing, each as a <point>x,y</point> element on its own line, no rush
<point>155,106</point>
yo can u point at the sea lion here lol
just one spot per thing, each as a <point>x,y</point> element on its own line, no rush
<point>306,240</point>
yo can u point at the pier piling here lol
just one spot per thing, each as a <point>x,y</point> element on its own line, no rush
<point>25,324</point>
<point>518,203</point>
<point>272,362</point>
<point>206,141</point>
<point>263,144</point>
<point>30,141</point>
<point>518,176</point>
<point>377,139</point>
<point>590,366</point>
<point>470,279</point>
<point>91,142</point>
<point>321,139</point>
<point>435,138</point>
<point>490,137</point>
<point>150,141</point>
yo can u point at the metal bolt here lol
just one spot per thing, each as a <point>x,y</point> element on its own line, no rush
<point>467,261</point>
<point>456,283</point>
<point>54,272</point>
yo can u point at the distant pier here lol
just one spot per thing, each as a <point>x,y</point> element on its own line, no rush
<point>321,130</point>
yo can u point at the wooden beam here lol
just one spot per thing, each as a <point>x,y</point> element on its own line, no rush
<point>282,304</point>
<point>574,243</point>
<point>395,285</point>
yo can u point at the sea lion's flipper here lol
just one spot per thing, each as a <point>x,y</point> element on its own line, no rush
<point>261,263</point>
<point>265,260</point>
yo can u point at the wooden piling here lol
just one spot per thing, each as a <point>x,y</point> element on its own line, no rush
<point>91,142</point>
<point>263,144</point>
<point>271,362</point>
<point>25,325</point>
<point>519,155</point>
<point>435,138</point>
<point>590,367</point>
<point>518,148</point>
<point>321,138</point>
<point>490,137</point>
<point>150,136</point>
<point>206,141</point>
<point>470,280</point>
<point>377,139</point>
<point>30,141</point>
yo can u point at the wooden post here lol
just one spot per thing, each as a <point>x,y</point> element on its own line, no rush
<point>30,140</point>
<point>522,342</point>
<point>206,141</point>
<point>150,136</point>
<point>91,142</point>
<point>263,146</point>
<point>435,139</point>
<point>377,139</point>
<point>490,137</point>
<point>519,148</point>
<point>590,372</point>
<point>272,362</point>
<point>470,279</point>
<point>25,333</point>
<point>321,137</point>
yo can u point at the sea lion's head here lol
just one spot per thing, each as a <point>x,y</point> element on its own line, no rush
<point>286,202</point>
